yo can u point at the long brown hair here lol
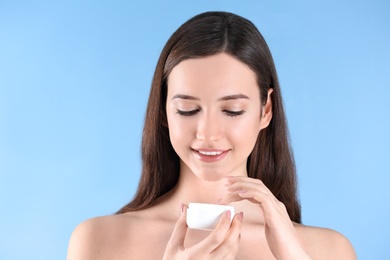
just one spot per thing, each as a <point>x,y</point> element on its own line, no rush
<point>271,159</point>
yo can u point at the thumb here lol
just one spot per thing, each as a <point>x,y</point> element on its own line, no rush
<point>179,232</point>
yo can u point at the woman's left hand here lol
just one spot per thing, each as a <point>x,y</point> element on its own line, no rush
<point>280,233</point>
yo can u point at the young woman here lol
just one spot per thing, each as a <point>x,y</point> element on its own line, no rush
<point>215,132</point>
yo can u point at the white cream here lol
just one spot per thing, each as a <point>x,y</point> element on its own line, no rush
<point>206,216</point>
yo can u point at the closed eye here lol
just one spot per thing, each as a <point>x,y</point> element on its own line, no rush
<point>187,113</point>
<point>234,113</point>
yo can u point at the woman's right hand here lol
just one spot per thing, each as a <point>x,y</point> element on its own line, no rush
<point>222,243</point>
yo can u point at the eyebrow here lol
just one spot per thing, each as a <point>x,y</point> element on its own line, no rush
<point>232,97</point>
<point>182,96</point>
<point>225,98</point>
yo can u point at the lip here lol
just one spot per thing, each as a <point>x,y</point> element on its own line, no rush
<point>210,155</point>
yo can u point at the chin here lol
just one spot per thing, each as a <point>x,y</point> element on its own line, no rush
<point>211,176</point>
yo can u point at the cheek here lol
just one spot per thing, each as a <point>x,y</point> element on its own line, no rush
<point>179,131</point>
<point>246,132</point>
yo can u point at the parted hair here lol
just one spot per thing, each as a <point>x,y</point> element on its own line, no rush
<point>271,160</point>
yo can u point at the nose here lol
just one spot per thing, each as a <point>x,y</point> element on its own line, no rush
<point>209,128</point>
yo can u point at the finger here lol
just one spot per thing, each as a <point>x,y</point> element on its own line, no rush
<point>230,197</point>
<point>218,234</point>
<point>274,211</point>
<point>265,200</point>
<point>229,247</point>
<point>238,184</point>
<point>256,192</point>
<point>245,183</point>
<point>236,181</point>
<point>179,232</point>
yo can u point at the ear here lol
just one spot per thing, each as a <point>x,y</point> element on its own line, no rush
<point>266,114</point>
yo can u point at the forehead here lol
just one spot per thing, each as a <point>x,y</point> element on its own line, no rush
<point>220,72</point>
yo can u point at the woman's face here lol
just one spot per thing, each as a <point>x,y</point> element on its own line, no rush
<point>214,115</point>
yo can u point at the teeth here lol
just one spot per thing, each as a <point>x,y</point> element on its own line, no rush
<point>209,153</point>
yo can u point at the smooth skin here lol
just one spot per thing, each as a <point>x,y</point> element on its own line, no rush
<point>214,116</point>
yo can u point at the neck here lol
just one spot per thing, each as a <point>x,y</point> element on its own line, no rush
<point>192,189</point>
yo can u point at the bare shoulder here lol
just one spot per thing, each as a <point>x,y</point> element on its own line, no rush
<point>133,235</point>
<point>323,243</point>
<point>91,238</point>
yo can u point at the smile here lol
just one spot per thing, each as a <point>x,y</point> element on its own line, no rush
<point>210,156</point>
<point>210,153</point>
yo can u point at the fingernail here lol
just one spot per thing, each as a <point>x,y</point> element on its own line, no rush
<point>181,208</point>
<point>240,216</point>
<point>228,214</point>
<point>242,191</point>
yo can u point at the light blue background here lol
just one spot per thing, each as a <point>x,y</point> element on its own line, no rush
<point>74,81</point>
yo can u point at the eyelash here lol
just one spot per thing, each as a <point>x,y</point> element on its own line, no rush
<point>195,111</point>
<point>234,113</point>
<point>187,113</point>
